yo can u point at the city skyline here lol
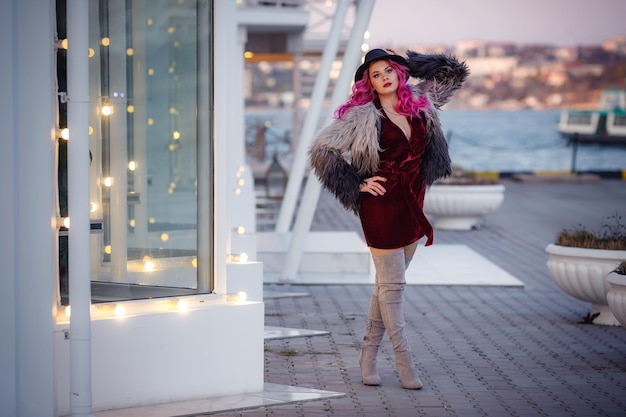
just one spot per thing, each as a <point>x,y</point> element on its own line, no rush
<point>557,22</point>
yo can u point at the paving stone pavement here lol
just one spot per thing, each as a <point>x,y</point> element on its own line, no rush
<point>480,351</point>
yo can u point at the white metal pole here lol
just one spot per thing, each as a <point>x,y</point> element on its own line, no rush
<point>313,187</point>
<point>225,29</point>
<point>78,207</point>
<point>95,144</point>
<point>140,91</point>
<point>322,79</point>
<point>204,164</point>
<point>118,158</point>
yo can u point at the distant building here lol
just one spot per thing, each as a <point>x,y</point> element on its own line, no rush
<point>484,66</point>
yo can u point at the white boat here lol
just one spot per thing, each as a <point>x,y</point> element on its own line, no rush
<point>606,124</point>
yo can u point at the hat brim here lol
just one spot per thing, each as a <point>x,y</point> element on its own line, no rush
<point>364,66</point>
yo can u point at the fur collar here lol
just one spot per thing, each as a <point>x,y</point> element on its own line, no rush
<point>347,151</point>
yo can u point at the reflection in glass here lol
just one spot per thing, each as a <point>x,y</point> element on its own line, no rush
<point>144,98</point>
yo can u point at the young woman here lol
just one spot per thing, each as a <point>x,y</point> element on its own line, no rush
<point>384,147</point>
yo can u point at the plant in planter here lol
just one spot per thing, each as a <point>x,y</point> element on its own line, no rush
<point>621,268</point>
<point>580,261</point>
<point>458,202</point>
<point>616,296</point>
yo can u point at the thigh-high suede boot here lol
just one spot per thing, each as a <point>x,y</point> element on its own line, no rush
<point>390,269</point>
<point>374,332</point>
<point>409,252</point>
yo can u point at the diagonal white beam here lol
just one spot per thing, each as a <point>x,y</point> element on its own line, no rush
<point>313,187</point>
<point>298,168</point>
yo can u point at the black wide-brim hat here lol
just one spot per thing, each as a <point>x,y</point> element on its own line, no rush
<point>376,55</point>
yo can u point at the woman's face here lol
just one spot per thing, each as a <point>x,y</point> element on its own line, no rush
<point>383,78</point>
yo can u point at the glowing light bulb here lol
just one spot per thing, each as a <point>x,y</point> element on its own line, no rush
<point>131,222</point>
<point>149,22</point>
<point>148,266</point>
<point>150,122</point>
<point>105,41</point>
<point>90,130</point>
<point>130,52</point>
<point>130,108</point>
<point>132,165</point>
<point>119,310</point>
<point>150,71</point>
<point>239,257</point>
<point>151,220</point>
<point>65,133</point>
<point>93,207</point>
<point>238,296</point>
<point>107,181</point>
<point>91,52</point>
<point>68,311</point>
<point>240,230</point>
<point>176,135</point>
<point>165,237</point>
<point>238,191</point>
<point>107,249</point>
<point>241,182</point>
<point>194,262</point>
<point>106,110</point>
<point>182,305</point>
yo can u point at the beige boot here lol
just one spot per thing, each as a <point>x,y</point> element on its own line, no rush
<point>390,269</point>
<point>374,333</point>
<point>409,252</point>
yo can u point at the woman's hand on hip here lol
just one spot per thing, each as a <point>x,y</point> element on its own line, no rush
<point>373,185</point>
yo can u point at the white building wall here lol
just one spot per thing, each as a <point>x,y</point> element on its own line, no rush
<point>215,348</point>
<point>156,354</point>
<point>27,252</point>
<point>8,325</point>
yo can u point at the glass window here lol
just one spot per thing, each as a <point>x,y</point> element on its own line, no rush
<point>149,116</point>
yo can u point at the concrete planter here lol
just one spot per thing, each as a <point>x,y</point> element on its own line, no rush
<point>582,273</point>
<point>616,296</point>
<point>460,207</point>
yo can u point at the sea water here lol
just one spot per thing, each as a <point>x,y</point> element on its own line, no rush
<point>520,141</point>
<point>480,140</point>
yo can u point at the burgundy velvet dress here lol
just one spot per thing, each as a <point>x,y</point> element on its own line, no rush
<point>396,219</point>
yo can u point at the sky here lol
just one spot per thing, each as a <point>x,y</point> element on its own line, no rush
<point>555,22</point>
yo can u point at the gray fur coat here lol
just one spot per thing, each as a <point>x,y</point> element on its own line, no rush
<point>346,152</point>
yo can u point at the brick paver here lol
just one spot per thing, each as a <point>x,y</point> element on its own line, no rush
<point>481,351</point>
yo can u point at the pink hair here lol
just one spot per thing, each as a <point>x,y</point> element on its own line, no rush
<point>363,93</point>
